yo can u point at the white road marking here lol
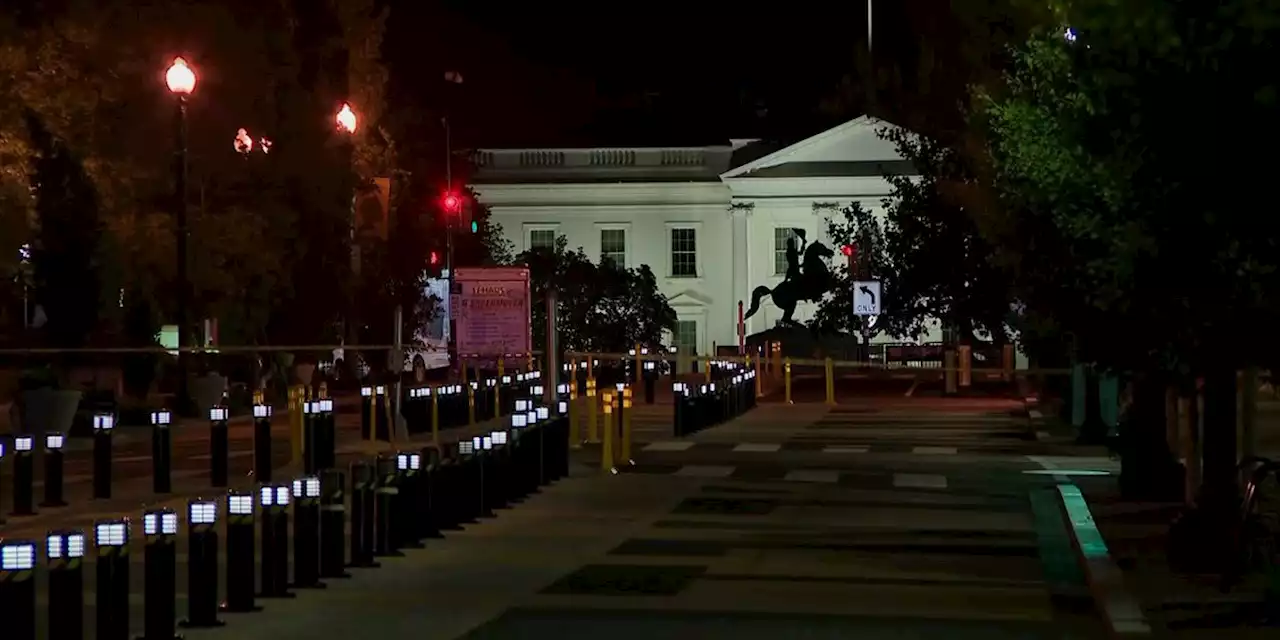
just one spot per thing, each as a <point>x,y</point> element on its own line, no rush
<point>835,448</point>
<point>919,481</point>
<point>935,451</point>
<point>757,447</point>
<point>669,445</point>
<point>704,471</point>
<point>830,476</point>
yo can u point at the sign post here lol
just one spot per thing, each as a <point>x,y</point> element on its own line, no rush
<point>866,303</point>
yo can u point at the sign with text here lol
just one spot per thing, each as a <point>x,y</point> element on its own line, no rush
<point>866,298</point>
<point>493,311</point>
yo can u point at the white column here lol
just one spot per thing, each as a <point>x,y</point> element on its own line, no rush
<point>741,262</point>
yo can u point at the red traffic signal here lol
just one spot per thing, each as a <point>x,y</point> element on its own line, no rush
<point>435,258</point>
<point>451,203</point>
<point>847,250</point>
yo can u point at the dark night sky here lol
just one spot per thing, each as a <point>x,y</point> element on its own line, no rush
<point>662,72</point>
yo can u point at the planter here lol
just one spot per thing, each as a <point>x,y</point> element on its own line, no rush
<point>48,410</point>
<point>207,391</point>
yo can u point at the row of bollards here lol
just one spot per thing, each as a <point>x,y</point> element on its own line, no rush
<point>396,502</point>
<point>700,406</point>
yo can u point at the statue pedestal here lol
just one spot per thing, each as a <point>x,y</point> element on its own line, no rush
<point>801,342</point>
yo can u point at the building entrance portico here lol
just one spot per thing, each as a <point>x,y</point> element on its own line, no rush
<point>712,222</point>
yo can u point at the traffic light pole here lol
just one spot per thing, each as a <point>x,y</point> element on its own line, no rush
<point>450,345</point>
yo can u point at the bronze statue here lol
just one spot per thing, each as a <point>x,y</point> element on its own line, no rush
<point>807,279</point>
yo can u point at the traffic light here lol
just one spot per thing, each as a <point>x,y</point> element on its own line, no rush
<point>475,227</point>
<point>851,254</point>
<point>435,258</point>
<point>451,203</point>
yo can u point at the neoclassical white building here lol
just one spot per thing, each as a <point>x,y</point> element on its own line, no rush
<point>711,222</point>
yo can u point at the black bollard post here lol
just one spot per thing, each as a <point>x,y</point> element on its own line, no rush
<point>306,533</point>
<point>310,411</point>
<point>562,443</point>
<point>679,393</point>
<point>447,500</point>
<point>428,511</point>
<point>23,475</point>
<point>505,478</point>
<point>18,589</point>
<point>202,565</point>
<point>467,484</point>
<point>111,600</point>
<point>366,413</point>
<point>273,499</point>
<point>484,461</point>
<point>262,442</point>
<point>520,440</point>
<point>333,525</point>
<point>327,435</point>
<point>159,568</point>
<point>104,424</point>
<point>241,554</point>
<point>406,505</point>
<point>384,541</point>
<point>382,419</point>
<point>362,515</point>
<point>3,451</point>
<point>65,550</point>
<point>53,466</point>
<point>219,447</point>
<point>161,452</point>
<point>650,380</point>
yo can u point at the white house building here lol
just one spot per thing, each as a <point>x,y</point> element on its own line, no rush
<point>712,222</point>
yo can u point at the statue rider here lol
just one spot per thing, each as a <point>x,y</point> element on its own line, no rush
<point>793,255</point>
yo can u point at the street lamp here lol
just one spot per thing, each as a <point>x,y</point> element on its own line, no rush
<point>346,121</point>
<point>346,118</point>
<point>181,80</point>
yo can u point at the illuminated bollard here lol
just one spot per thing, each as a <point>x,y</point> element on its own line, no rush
<point>326,435</point>
<point>161,452</point>
<point>362,515</point>
<point>310,411</point>
<point>561,469</point>
<point>679,398</point>
<point>384,497</point>
<point>405,511</point>
<point>241,554</point>
<point>202,565</point>
<point>505,488</point>
<point>273,499</point>
<point>306,533</point>
<point>549,434</point>
<point>53,470</point>
<point>468,482</point>
<point>104,424</point>
<point>219,446</point>
<point>18,589</point>
<point>333,525</point>
<point>520,444</point>
<point>483,446</point>
<point>23,475</point>
<point>262,442</point>
<point>111,598</point>
<point>65,550</point>
<point>429,515</point>
<point>381,419</point>
<point>159,568</point>
<point>534,432</point>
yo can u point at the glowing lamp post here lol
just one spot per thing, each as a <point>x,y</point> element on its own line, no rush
<point>181,80</point>
<point>346,118</point>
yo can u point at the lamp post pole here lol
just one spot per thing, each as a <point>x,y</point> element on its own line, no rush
<point>181,81</point>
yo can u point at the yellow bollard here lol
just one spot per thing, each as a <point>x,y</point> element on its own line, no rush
<point>786,379</point>
<point>575,429</point>
<point>831,383</point>
<point>471,403</point>
<point>462,370</point>
<point>593,430</point>
<point>497,393</point>
<point>706,370</point>
<point>949,371</point>
<point>759,393</point>
<point>625,449</point>
<point>965,354</point>
<point>606,449</point>
<point>435,417</point>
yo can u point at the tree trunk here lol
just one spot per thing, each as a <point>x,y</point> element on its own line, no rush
<point>1148,468</point>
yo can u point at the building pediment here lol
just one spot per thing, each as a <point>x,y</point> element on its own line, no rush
<point>690,298</point>
<point>853,149</point>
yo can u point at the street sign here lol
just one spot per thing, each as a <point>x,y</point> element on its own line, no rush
<point>866,298</point>
<point>493,314</point>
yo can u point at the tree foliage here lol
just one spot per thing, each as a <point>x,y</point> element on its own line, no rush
<point>600,307</point>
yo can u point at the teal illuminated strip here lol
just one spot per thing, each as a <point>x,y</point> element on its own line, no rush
<point>1087,534</point>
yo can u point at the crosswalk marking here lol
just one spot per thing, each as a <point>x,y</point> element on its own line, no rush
<point>830,476</point>
<point>757,447</point>
<point>935,451</point>
<point>845,449</point>
<point>705,471</point>
<point>670,445</point>
<point>919,481</point>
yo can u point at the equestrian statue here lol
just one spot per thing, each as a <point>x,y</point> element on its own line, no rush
<point>808,279</point>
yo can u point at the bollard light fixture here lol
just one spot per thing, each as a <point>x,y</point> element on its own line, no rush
<point>498,437</point>
<point>490,383</point>
<point>466,448</point>
<point>402,462</point>
<point>54,441</point>
<point>24,443</point>
<point>477,443</point>
<point>544,413</point>
<point>17,555</point>
<point>415,461</point>
<point>506,379</point>
<point>261,411</point>
<point>161,418</point>
<point>650,366</point>
<point>380,390</point>
<point>531,417</point>
<point>366,392</point>
<point>104,422</point>
<point>620,386</point>
<point>563,407</point>
<point>64,544</point>
<point>519,421</point>
<point>240,504</point>
<point>305,487</point>
<point>562,388</point>
<point>202,512</point>
<point>2,451</point>
<point>644,351</point>
<point>326,405</point>
<point>522,405</point>
<point>310,408</point>
<point>487,442</point>
<point>474,385</point>
<point>160,522</point>
<point>274,496</point>
<point>114,533</point>
<point>631,352</point>
<point>713,387</point>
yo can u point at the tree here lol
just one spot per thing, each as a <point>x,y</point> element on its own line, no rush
<point>1112,210</point>
<point>600,308</point>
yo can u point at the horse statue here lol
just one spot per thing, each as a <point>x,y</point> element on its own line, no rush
<point>808,279</point>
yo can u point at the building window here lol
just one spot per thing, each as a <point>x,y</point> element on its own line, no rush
<point>780,238</point>
<point>613,246</point>
<point>684,253</point>
<point>542,239</point>
<point>686,336</point>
